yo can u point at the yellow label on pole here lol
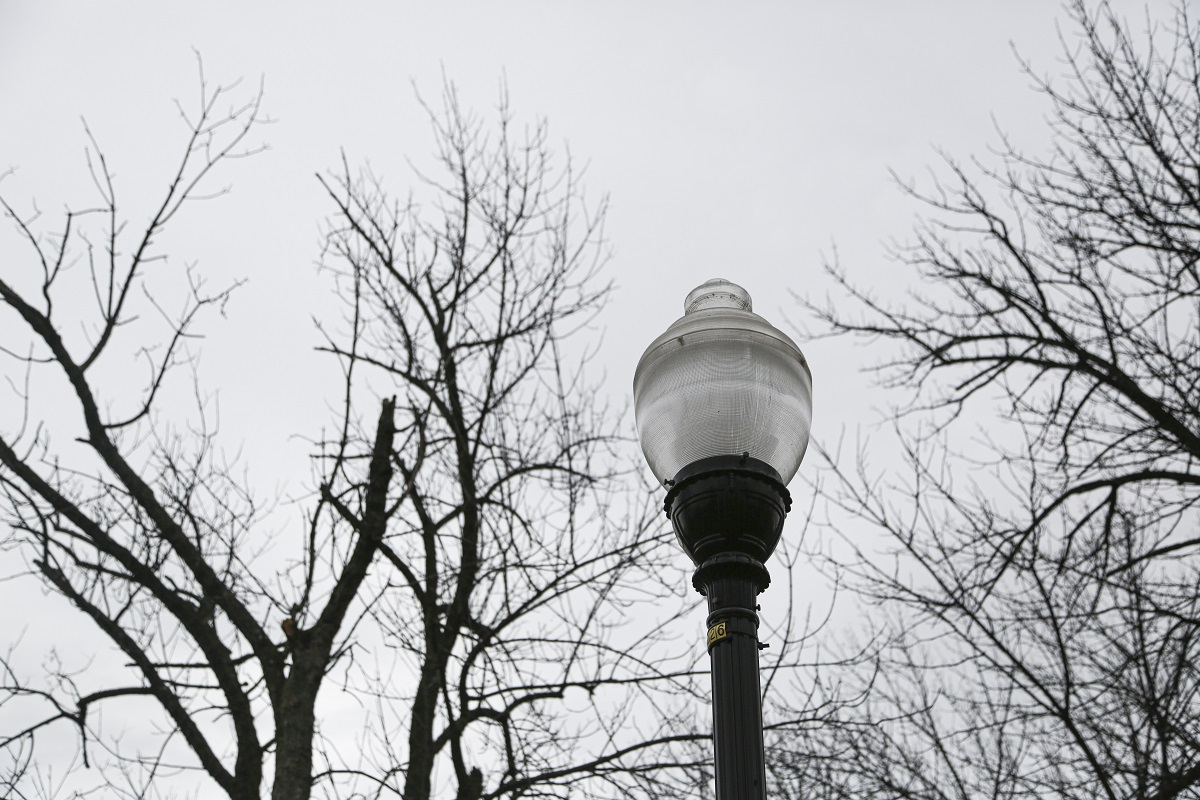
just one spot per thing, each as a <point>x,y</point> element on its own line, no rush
<point>716,633</point>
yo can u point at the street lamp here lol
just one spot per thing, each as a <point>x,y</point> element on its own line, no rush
<point>723,402</point>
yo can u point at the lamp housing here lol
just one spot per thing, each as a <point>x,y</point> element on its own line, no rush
<point>722,381</point>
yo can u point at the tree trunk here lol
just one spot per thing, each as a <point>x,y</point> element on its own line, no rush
<point>418,782</point>
<point>294,726</point>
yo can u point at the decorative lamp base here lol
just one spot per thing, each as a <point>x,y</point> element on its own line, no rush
<point>728,504</point>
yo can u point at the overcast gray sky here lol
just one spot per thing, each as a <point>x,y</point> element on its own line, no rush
<point>741,143</point>
<point>735,140</point>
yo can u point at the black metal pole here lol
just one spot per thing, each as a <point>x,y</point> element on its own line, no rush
<point>732,583</point>
<point>728,513</point>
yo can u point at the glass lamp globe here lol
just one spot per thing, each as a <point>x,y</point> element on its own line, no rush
<point>722,381</point>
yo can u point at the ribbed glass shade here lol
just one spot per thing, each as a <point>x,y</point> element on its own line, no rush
<point>722,381</point>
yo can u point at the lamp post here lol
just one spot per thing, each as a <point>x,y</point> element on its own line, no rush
<point>723,402</point>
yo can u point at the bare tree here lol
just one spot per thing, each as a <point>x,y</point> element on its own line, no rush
<point>469,571</point>
<point>1037,599</point>
<point>516,566</point>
